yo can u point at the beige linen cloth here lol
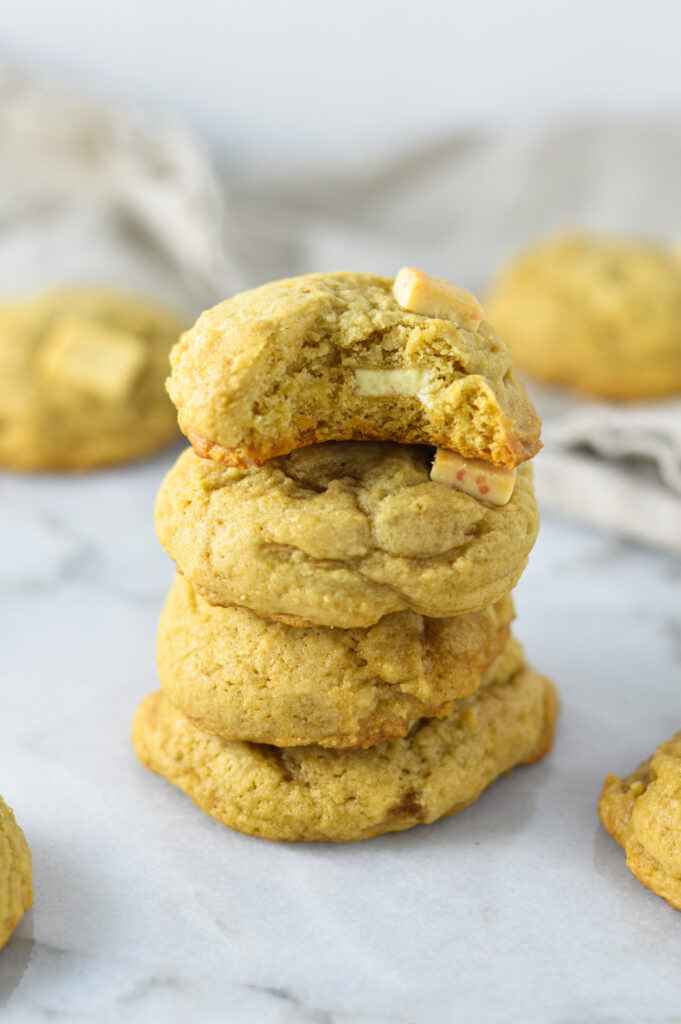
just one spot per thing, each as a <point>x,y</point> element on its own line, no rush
<point>92,193</point>
<point>88,194</point>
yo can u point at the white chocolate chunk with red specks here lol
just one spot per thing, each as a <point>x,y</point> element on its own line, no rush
<point>101,361</point>
<point>476,477</point>
<point>431,296</point>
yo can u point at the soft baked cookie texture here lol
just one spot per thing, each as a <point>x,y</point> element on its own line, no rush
<point>600,316</point>
<point>335,655</point>
<point>341,534</point>
<point>82,379</point>
<point>16,878</point>
<point>643,814</point>
<point>336,357</point>
<point>241,676</point>
<point>313,794</point>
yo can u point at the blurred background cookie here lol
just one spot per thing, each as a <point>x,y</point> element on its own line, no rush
<point>601,316</point>
<point>16,876</point>
<point>82,374</point>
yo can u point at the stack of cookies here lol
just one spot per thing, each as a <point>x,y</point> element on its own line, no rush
<point>335,655</point>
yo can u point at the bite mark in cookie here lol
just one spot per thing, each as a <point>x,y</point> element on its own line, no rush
<point>336,357</point>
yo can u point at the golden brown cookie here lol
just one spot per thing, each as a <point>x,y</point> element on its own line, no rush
<point>336,357</point>
<point>82,379</point>
<point>643,814</point>
<point>600,316</point>
<point>244,677</point>
<point>341,534</point>
<point>16,878</point>
<point>311,793</point>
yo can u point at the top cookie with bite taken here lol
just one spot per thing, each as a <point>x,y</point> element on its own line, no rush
<point>350,356</point>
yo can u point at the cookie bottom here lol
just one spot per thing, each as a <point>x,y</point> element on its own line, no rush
<point>314,794</point>
<point>642,813</point>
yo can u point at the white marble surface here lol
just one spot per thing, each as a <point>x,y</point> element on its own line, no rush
<point>518,909</point>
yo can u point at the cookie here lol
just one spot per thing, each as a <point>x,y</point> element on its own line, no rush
<point>245,677</point>
<point>82,379</point>
<point>341,534</point>
<point>336,357</point>
<point>311,793</point>
<point>599,316</point>
<point>643,814</point>
<point>16,878</point>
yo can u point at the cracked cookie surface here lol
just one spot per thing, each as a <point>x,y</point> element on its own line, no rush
<point>643,814</point>
<point>82,379</point>
<point>600,316</point>
<point>341,534</point>
<point>16,878</point>
<point>245,677</point>
<point>335,357</point>
<point>315,794</point>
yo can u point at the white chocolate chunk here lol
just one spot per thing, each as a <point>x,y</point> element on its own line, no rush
<point>476,477</point>
<point>90,357</point>
<point>410,382</point>
<point>431,296</point>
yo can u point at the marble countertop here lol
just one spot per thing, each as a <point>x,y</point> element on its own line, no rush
<point>519,909</point>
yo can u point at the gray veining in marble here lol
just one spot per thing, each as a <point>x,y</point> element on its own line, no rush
<point>519,909</point>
